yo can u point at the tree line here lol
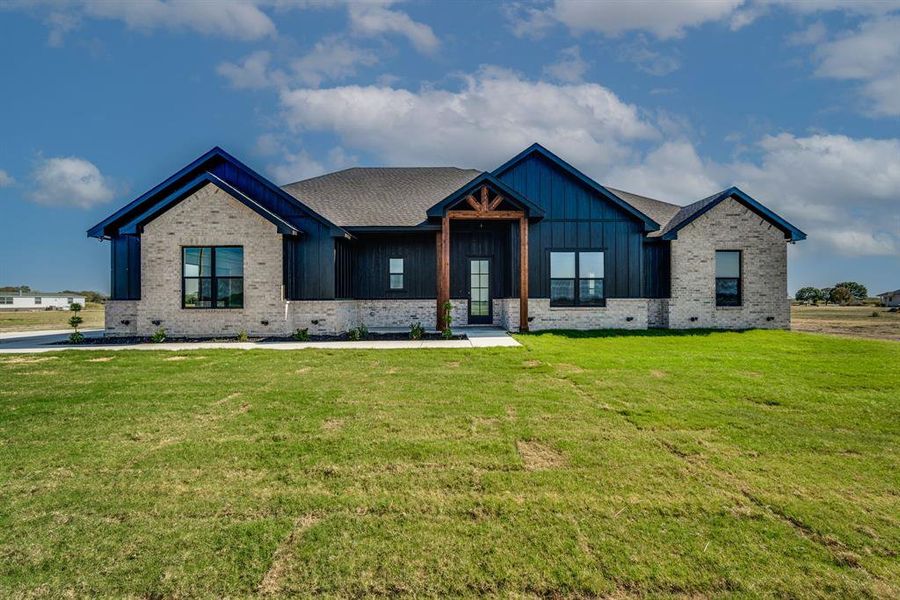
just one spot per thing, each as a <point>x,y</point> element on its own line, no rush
<point>845,292</point>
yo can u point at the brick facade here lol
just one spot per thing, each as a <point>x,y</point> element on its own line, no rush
<point>729,226</point>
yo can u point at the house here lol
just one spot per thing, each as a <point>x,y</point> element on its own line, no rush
<point>37,301</point>
<point>534,244</point>
<point>890,298</point>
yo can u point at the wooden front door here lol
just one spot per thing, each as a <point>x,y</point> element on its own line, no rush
<point>480,305</point>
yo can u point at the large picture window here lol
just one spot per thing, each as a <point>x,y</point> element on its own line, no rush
<point>576,278</point>
<point>213,277</point>
<point>728,277</point>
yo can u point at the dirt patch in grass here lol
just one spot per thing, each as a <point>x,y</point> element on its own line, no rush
<point>569,368</point>
<point>284,556</point>
<point>28,360</point>
<point>101,359</point>
<point>538,457</point>
<point>302,370</point>
<point>332,424</point>
<point>658,374</point>
<point>530,364</point>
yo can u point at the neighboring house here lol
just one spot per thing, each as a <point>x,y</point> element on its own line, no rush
<point>890,298</point>
<point>534,244</point>
<point>37,300</point>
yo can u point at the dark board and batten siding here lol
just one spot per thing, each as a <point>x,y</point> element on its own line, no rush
<point>577,217</point>
<point>309,263</point>
<point>371,261</point>
<point>657,269</point>
<point>125,268</point>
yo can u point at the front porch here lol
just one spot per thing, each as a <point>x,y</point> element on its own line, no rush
<point>488,271</point>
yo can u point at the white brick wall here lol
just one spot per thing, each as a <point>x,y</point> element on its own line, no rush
<point>729,226</point>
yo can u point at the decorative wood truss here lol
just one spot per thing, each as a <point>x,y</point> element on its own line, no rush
<point>484,207</point>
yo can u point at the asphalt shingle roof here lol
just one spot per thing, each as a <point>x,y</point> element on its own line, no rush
<point>400,196</point>
<point>379,197</point>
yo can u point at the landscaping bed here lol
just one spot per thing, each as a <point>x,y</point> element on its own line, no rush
<point>343,337</point>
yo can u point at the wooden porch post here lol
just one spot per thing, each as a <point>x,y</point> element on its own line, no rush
<point>443,270</point>
<point>523,274</point>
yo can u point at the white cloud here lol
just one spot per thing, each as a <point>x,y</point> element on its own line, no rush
<point>495,114</point>
<point>673,172</point>
<point>295,166</point>
<point>70,181</point>
<point>663,18</point>
<point>6,179</point>
<point>843,189</point>
<point>815,33</point>
<point>647,60</point>
<point>870,55</point>
<point>331,58</point>
<point>570,67</point>
<point>373,18</point>
<point>236,19</point>
<point>252,72</point>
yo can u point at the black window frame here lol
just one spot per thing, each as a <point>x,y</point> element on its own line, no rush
<point>402,274</point>
<point>6,299</point>
<point>577,301</point>
<point>213,279</point>
<point>38,300</point>
<point>739,279</point>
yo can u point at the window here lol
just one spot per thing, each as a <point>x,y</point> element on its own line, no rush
<point>213,277</point>
<point>37,300</point>
<point>5,299</point>
<point>576,278</point>
<point>396,273</point>
<point>70,300</point>
<point>728,277</point>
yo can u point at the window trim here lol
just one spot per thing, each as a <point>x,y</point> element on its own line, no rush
<point>402,274</point>
<point>6,299</point>
<point>740,279</point>
<point>576,303</point>
<point>38,300</point>
<point>213,279</point>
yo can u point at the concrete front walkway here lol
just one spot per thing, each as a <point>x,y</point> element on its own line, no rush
<point>37,341</point>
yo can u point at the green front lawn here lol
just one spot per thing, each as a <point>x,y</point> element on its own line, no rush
<point>758,463</point>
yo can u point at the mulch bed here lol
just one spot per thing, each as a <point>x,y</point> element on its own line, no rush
<point>343,337</point>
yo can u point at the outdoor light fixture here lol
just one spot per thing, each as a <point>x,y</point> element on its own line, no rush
<point>693,319</point>
<point>629,318</point>
<point>264,322</point>
<point>156,322</point>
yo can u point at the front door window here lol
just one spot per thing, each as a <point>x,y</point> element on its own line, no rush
<point>479,290</point>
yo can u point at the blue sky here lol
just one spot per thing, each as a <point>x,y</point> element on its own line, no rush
<point>798,103</point>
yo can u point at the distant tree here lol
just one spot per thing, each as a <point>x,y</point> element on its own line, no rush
<point>809,294</point>
<point>89,295</point>
<point>857,290</point>
<point>841,295</point>
<point>24,289</point>
<point>826,294</point>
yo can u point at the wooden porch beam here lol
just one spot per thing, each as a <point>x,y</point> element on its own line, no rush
<point>473,203</point>
<point>443,271</point>
<point>495,202</point>
<point>493,214</point>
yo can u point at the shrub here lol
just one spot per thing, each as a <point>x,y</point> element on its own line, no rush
<point>875,313</point>
<point>158,336</point>
<point>360,332</point>
<point>74,321</point>
<point>243,336</point>
<point>416,331</point>
<point>301,335</point>
<point>447,333</point>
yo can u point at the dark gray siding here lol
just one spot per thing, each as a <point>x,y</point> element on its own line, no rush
<point>372,253</point>
<point>309,263</point>
<point>487,239</point>
<point>125,261</point>
<point>657,269</point>
<point>577,217</point>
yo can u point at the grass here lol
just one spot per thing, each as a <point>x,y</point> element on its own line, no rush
<point>854,321</point>
<point>32,320</point>
<point>705,464</point>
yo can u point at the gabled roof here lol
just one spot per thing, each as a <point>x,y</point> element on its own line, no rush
<point>534,211</point>
<point>254,190</point>
<point>895,292</point>
<point>690,212</point>
<point>381,196</point>
<point>649,223</point>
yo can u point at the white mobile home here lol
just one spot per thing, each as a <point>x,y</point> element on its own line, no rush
<point>37,301</point>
